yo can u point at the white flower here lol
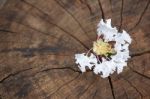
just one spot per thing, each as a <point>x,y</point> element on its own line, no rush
<point>107,30</point>
<point>115,62</point>
<point>105,69</point>
<point>83,60</point>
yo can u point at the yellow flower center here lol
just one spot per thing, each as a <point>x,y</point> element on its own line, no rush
<point>102,48</point>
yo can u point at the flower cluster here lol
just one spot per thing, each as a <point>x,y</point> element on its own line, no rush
<point>106,57</point>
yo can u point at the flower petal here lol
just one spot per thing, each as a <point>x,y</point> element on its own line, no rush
<point>84,61</point>
<point>117,61</point>
<point>107,30</point>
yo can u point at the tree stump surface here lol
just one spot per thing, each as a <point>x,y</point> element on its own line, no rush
<point>38,40</point>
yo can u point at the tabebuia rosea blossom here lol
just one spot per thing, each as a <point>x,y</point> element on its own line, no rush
<point>109,53</point>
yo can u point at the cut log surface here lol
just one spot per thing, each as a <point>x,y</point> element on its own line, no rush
<point>38,40</point>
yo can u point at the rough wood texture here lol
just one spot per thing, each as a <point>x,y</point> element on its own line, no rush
<point>38,39</point>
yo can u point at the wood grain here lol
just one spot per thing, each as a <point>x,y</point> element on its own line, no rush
<point>38,40</point>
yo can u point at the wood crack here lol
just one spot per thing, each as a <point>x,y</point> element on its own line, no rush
<point>112,87</point>
<point>35,20</point>
<point>3,30</point>
<point>14,74</point>
<point>102,11</point>
<point>72,17</point>
<point>45,70</point>
<point>89,7</point>
<point>62,68</point>
<point>134,71</point>
<point>140,74</point>
<point>121,15</point>
<point>30,51</point>
<point>139,53</point>
<point>142,14</point>
<point>41,32</point>
<point>133,87</point>
<point>37,31</point>
<point>57,25</point>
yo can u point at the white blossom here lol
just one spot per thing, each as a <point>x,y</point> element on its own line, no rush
<point>117,61</point>
<point>83,60</point>
<point>106,30</point>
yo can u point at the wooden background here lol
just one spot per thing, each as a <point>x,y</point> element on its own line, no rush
<point>38,40</point>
